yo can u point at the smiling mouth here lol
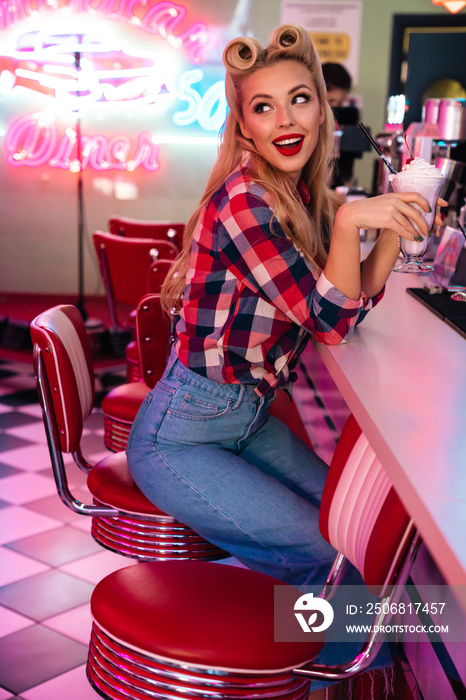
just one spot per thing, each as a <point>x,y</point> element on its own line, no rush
<point>289,145</point>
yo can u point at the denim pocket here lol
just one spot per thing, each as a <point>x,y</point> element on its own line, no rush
<point>191,404</point>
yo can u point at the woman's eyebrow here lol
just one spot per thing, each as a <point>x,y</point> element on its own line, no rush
<point>260,96</point>
<point>290,92</point>
<point>300,87</point>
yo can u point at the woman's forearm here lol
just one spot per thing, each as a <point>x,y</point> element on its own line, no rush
<point>378,264</point>
<point>342,268</point>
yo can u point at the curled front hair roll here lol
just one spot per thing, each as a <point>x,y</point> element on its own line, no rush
<point>241,54</point>
<point>293,42</point>
<point>240,57</point>
<point>287,35</point>
<point>286,41</point>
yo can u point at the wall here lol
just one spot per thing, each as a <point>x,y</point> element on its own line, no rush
<point>38,207</point>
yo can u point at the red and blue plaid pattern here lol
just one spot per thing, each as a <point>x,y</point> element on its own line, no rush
<point>252,298</point>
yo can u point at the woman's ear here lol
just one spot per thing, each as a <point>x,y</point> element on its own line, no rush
<point>245,132</point>
<point>322,115</point>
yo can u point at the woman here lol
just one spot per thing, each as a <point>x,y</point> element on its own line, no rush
<point>253,281</point>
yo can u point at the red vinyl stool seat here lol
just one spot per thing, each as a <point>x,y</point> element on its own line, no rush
<point>141,530</point>
<point>166,630</point>
<point>119,407</point>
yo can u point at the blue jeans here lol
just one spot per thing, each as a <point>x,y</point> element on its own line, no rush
<point>210,455</point>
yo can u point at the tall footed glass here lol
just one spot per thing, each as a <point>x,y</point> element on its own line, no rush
<point>414,251</point>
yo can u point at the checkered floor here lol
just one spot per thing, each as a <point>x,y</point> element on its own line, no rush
<point>49,563</point>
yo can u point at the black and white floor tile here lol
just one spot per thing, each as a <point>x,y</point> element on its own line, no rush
<point>49,563</point>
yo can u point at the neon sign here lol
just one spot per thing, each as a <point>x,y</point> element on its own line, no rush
<point>74,63</point>
<point>79,63</point>
<point>34,140</point>
<point>162,18</point>
<point>209,110</point>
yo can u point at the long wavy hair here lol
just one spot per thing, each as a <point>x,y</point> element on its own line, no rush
<point>304,226</point>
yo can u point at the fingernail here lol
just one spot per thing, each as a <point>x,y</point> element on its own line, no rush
<point>430,209</point>
<point>418,238</point>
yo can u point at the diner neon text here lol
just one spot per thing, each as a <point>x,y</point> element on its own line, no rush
<point>34,141</point>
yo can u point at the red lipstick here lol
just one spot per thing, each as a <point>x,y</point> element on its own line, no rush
<point>289,145</point>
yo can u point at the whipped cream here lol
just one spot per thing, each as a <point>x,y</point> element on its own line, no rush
<point>417,169</point>
<point>424,178</point>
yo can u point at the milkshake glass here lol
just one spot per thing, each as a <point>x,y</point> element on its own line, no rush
<point>424,178</point>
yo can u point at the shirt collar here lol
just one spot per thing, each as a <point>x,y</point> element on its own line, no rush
<point>303,190</point>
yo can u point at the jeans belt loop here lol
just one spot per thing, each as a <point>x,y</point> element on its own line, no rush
<point>240,397</point>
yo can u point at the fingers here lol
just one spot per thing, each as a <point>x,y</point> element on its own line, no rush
<point>415,198</point>
<point>438,223</point>
<point>403,213</point>
<point>413,221</point>
<point>402,226</point>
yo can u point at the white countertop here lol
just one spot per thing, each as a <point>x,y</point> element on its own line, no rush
<point>403,375</point>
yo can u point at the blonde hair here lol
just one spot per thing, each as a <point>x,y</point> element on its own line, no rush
<point>242,57</point>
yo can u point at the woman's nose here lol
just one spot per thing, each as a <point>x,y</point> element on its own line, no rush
<point>284,117</point>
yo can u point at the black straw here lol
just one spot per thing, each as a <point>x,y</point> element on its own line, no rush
<point>376,146</point>
<point>461,229</point>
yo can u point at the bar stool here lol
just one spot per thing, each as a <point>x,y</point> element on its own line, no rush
<point>123,519</point>
<point>125,264</point>
<point>120,405</point>
<point>194,630</point>
<point>147,228</point>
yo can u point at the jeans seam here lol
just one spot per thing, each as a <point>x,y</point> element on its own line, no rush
<point>244,439</point>
<point>224,515</point>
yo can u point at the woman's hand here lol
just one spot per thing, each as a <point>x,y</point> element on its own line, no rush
<point>393,212</point>
<point>379,262</point>
<point>438,219</point>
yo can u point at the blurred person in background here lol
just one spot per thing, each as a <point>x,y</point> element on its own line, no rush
<point>338,83</point>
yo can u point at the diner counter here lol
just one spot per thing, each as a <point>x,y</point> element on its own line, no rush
<point>403,375</point>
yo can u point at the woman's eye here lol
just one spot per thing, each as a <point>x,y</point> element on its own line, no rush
<point>261,107</point>
<point>299,99</point>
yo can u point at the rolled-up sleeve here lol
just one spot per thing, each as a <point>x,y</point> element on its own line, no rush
<point>336,316</point>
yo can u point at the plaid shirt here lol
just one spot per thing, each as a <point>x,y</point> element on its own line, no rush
<point>251,298</point>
